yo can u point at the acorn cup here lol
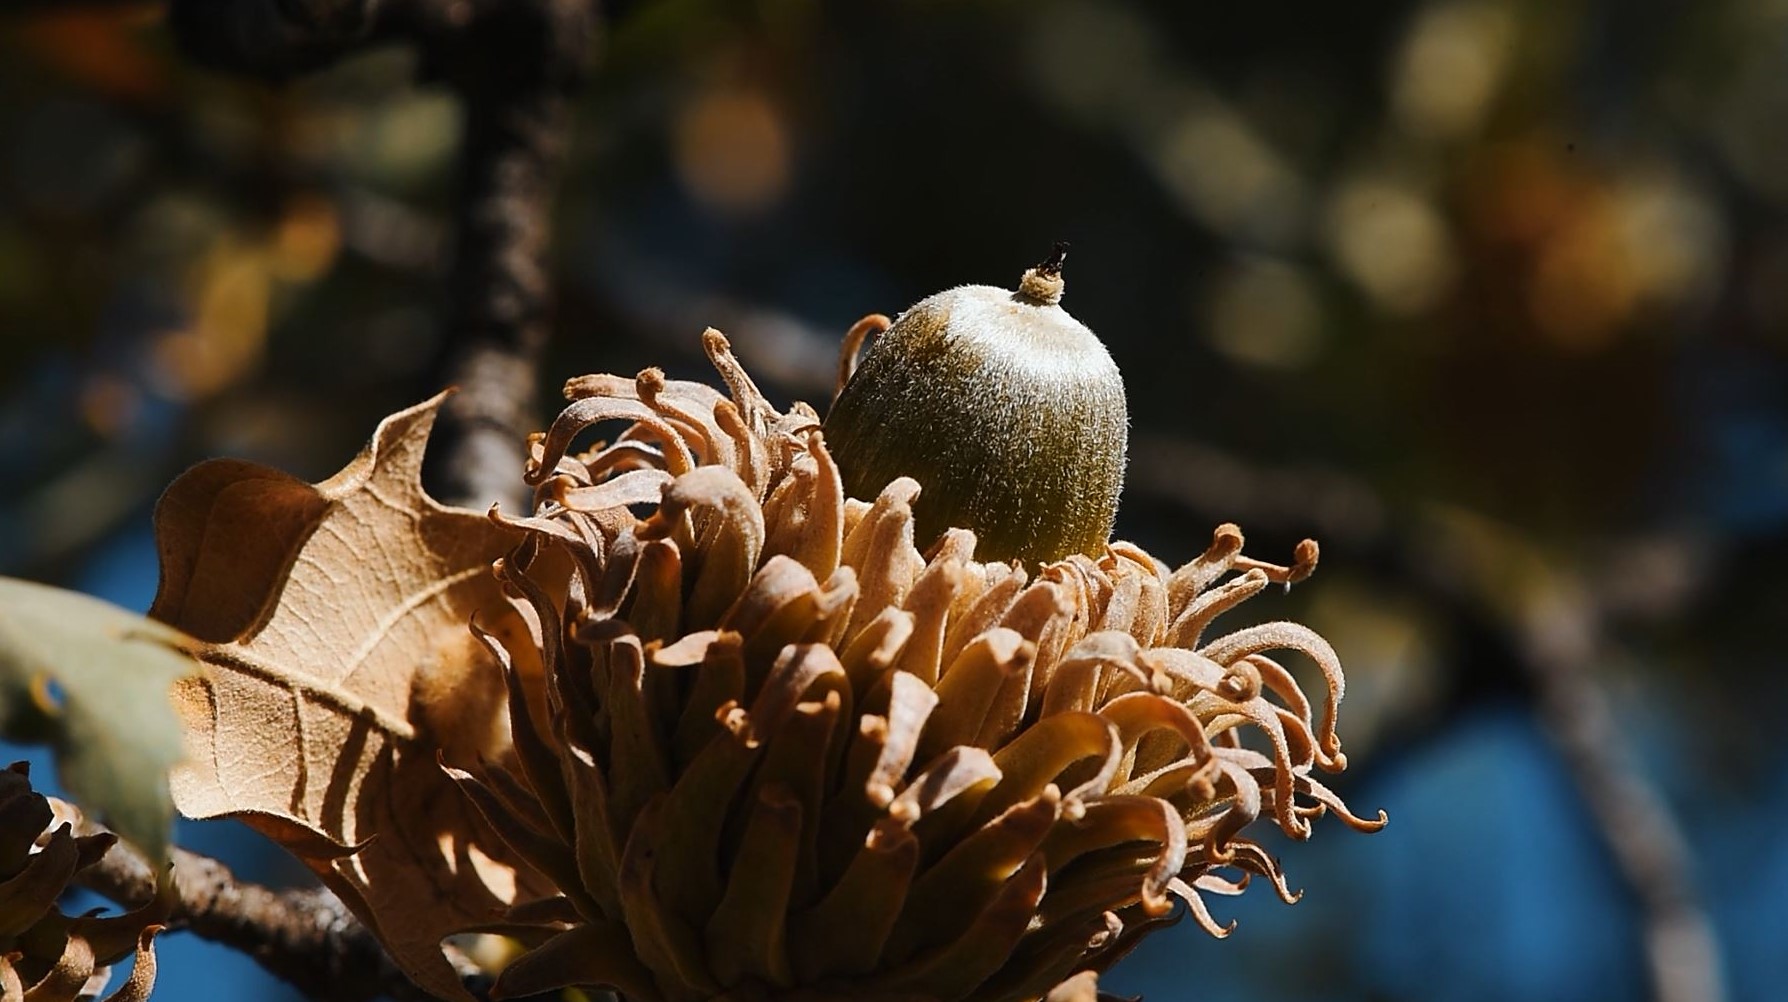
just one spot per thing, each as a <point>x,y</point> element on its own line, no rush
<point>1009,411</point>
<point>781,755</point>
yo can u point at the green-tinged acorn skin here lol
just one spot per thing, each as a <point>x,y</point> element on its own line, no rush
<point>1008,412</point>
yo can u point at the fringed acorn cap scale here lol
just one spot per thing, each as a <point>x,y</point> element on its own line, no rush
<point>781,753</point>
<point>46,956</point>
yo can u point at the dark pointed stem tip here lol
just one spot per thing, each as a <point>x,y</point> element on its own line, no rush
<point>1043,284</point>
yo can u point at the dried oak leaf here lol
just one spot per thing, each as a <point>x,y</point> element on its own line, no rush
<point>337,664</point>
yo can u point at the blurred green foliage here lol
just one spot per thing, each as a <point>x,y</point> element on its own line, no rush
<point>91,681</point>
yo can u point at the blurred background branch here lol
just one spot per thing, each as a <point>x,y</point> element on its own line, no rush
<point>276,39</point>
<point>514,65</point>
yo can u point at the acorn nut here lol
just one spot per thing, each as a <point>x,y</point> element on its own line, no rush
<point>1008,412</point>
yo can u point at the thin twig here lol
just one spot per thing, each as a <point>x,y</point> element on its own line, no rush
<point>1561,639</point>
<point>305,937</point>
<point>516,65</point>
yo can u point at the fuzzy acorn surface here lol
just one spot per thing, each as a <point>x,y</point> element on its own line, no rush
<point>1008,412</point>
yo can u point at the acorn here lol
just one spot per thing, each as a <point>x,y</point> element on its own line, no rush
<point>1008,412</point>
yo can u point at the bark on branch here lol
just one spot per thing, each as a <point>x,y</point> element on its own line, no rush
<point>517,114</point>
<point>305,937</point>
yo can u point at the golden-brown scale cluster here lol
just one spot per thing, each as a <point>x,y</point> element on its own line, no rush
<point>44,954</point>
<point>781,753</point>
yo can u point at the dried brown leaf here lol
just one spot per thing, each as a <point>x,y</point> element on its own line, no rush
<point>339,665</point>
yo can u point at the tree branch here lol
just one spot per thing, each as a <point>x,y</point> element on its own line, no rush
<point>1561,639</point>
<point>516,66</point>
<point>307,938</point>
